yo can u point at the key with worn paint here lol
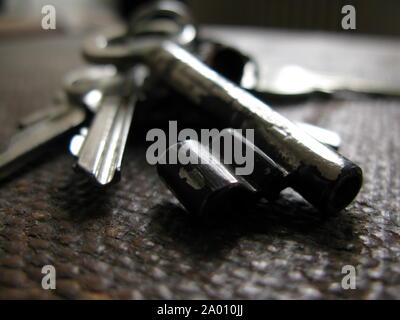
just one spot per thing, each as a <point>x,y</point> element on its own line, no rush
<point>100,148</point>
<point>322,176</point>
<point>243,71</point>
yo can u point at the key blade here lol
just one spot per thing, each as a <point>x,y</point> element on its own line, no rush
<point>32,140</point>
<point>102,150</point>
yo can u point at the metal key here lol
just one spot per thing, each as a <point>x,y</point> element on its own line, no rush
<point>87,85</point>
<point>71,107</point>
<point>38,132</point>
<point>243,71</point>
<point>322,176</point>
<point>100,148</point>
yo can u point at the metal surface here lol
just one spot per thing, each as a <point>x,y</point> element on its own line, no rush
<point>322,176</point>
<point>267,177</point>
<point>83,87</point>
<point>87,85</point>
<point>204,186</point>
<point>101,150</point>
<point>230,62</point>
<point>244,71</point>
<point>37,133</point>
<point>152,23</point>
<point>169,18</point>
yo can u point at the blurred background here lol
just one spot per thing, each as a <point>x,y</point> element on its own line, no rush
<point>380,17</point>
<point>373,16</point>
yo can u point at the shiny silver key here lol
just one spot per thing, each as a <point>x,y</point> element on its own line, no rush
<point>100,148</point>
<point>66,113</point>
<point>38,132</point>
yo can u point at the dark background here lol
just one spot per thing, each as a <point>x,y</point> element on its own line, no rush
<point>373,16</point>
<point>380,17</point>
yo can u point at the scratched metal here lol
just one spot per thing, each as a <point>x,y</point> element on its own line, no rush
<point>134,242</point>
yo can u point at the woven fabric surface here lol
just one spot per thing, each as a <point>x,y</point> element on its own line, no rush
<point>133,241</point>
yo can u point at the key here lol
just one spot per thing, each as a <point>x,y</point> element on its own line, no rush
<point>320,174</point>
<point>211,185</point>
<point>70,108</point>
<point>268,178</point>
<point>207,188</point>
<point>100,148</point>
<point>87,85</point>
<point>37,132</point>
<point>243,71</point>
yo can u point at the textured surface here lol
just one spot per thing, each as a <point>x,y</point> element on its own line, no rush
<point>134,242</point>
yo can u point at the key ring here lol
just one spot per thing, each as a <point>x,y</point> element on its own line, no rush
<point>151,24</point>
<point>171,19</point>
<point>86,85</point>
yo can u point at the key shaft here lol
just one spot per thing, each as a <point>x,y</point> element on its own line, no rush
<point>102,149</point>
